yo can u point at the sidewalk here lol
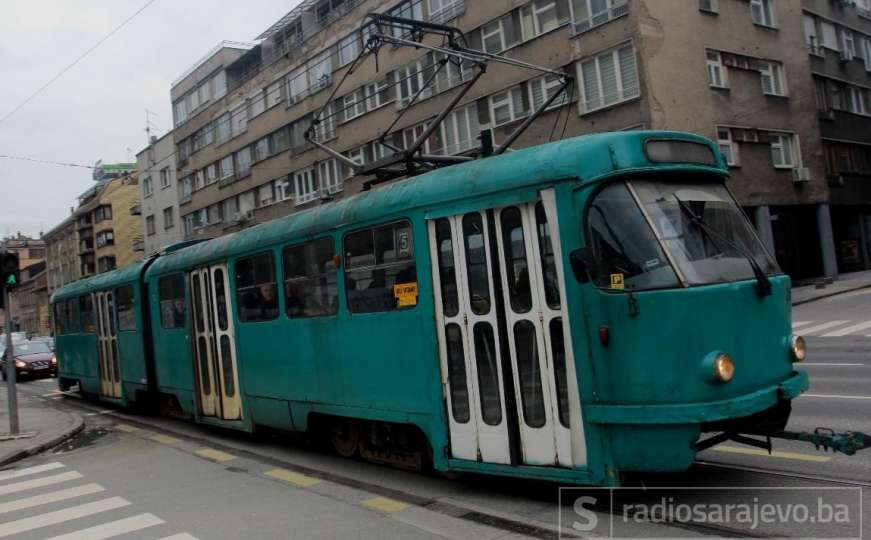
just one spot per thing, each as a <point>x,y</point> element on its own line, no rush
<point>51,426</point>
<point>844,283</point>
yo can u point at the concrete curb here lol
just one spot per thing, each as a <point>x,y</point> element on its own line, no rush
<point>17,455</point>
<point>831,294</point>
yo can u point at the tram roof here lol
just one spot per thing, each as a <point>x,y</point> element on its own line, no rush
<point>106,280</point>
<point>586,157</point>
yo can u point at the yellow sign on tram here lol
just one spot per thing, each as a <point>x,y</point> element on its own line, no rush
<point>406,294</point>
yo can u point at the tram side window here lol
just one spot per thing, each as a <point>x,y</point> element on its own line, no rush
<point>72,316</point>
<point>86,314</point>
<point>380,273</point>
<point>60,318</point>
<point>125,306</point>
<point>172,305</point>
<point>255,288</point>
<point>310,283</point>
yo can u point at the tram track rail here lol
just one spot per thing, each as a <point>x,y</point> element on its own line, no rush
<point>784,473</point>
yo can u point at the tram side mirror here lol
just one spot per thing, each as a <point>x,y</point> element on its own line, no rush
<point>581,260</point>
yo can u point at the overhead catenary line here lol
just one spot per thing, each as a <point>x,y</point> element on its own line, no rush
<point>76,61</point>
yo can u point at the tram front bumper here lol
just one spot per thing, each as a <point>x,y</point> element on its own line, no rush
<point>698,413</point>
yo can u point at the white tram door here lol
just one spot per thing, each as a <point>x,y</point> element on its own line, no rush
<point>470,349</point>
<point>534,323</point>
<point>532,290</point>
<point>107,345</point>
<point>215,347</point>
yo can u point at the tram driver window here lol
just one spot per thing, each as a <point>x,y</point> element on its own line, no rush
<point>380,273</point>
<point>126,313</point>
<point>628,255</point>
<point>310,283</point>
<point>172,305</point>
<point>256,296</point>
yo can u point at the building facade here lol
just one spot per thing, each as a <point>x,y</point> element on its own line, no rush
<point>31,261</point>
<point>745,73</point>
<point>31,310</point>
<point>158,193</point>
<point>62,247</point>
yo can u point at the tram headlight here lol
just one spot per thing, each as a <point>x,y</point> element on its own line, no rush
<point>798,348</point>
<point>724,368</point>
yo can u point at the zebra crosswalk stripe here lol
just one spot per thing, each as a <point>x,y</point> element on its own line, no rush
<point>823,326</point>
<point>180,536</point>
<point>17,473</point>
<point>799,324</point>
<point>39,482</point>
<point>849,330</point>
<point>113,528</point>
<point>61,516</point>
<point>54,496</point>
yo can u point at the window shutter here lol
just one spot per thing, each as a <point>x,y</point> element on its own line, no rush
<point>591,85</point>
<point>756,12</point>
<point>767,80</point>
<point>609,78</point>
<point>536,92</point>
<point>627,72</point>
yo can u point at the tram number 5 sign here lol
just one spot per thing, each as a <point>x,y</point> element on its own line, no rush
<point>405,294</point>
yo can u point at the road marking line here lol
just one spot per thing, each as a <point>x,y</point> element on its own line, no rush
<point>126,428</point>
<point>54,496</point>
<point>797,324</point>
<point>180,536</point>
<point>215,455</point>
<point>383,504</point>
<point>61,516</point>
<point>764,453</point>
<point>164,439</point>
<point>821,327</point>
<point>113,528</point>
<point>849,330</point>
<point>834,396</point>
<point>298,479</point>
<point>55,393</point>
<point>836,364</point>
<point>39,482</point>
<point>97,413</point>
<point>6,475</point>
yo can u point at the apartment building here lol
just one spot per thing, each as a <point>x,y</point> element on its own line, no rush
<point>62,257</point>
<point>158,194</point>
<point>31,261</point>
<point>741,72</point>
<point>31,301</point>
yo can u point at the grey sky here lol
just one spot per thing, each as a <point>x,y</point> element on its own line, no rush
<point>97,109</point>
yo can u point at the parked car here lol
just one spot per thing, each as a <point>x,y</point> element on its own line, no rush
<point>32,359</point>
<point>48,340</point>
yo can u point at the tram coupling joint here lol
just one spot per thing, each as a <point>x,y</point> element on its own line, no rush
<point>847,443</point>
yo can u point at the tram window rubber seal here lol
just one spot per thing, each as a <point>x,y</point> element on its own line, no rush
<point>678,151</point>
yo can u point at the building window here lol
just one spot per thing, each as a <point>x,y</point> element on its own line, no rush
<point>266,195</point>
<point>441,11</point>
<point>727,146</point>
<point>305,185</point>
<point>499,35</point>
<point>164,177</point>
<point>830,36</point>
<point>773,79</point>
<point>168,218</point>
<point>105,238</point>
<point>784,153</point>
<point>507,106</point>
<point>222,128</point>
<point>147,187</point>
<point>257,102</point>
<point>379,261</point>
<point>261,149</point>
<point>353,105</point>
<point>709,6</point>
<point>188,224</point>
<point>762,12</point>
<point>848,43</point>
<point>543,88</point>
<point>608,78</point>
<point>255,288</point>
<point>310,281</point>
<point>239,119</point>
<point>811,38</point>
<point>460,130</point>
<point>542,16</point>
<point>172,301</point>
<point>717,74</point>
<point>349,49</point>
<point>412,78</point>
<point>273,94</point>
<point>243,161</point>
<point>588,14</point>
<point>380,93</point>
<point>104,264</point>
<point>226,167</point>
<point>149,225</point>
<point>328,176</point>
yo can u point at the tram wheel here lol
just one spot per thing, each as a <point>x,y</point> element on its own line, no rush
<point>345,436</point>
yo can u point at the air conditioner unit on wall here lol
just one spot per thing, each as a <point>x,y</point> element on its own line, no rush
<point>801,174</point>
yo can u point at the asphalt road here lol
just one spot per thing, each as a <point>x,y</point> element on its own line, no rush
<point>163,478</point>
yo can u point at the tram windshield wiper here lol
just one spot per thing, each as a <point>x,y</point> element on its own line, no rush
<point>763,284</point>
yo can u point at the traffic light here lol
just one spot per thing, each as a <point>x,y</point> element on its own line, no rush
<point>10,275</point>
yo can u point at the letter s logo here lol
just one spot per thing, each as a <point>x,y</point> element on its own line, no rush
<point>592,520</point>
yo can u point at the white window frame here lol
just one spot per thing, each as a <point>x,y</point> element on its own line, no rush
<point>762,16</point>
<point>329,179</point>
<point>441,11</point>
<point>507,101</point>
<point>829,33</point>
<point>227,172</point>
<point>348,49</point>
<point>614,10</point>
<point>622,95</point>
<point>147,187</point>
<point>297,85</point>
<point>547,84</point>
<point>537,10</point>
<point>304,186</point>
<point>709,6</point>
<point>774,72</point>
<point>374,92</point>
<point>353,105</point>
<point>462,119</point>
<point>273,94</point>
<point>725,139</point>
<point>780,141</point>
<point>405,77</point>
<point>716,68</point>
<point>848,43</point>
<point>486,35</point>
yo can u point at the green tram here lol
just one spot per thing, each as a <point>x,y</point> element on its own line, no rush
<point>570,311</point>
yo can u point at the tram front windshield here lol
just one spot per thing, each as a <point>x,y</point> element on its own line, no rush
<point>650,234</point>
